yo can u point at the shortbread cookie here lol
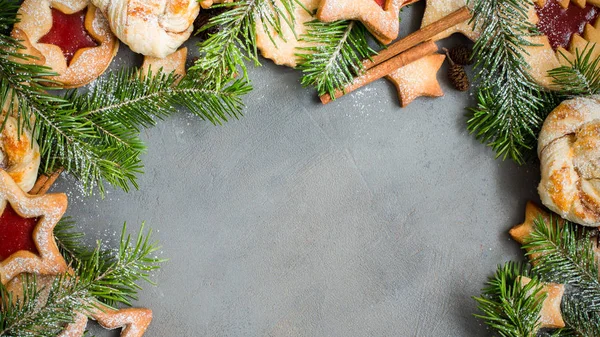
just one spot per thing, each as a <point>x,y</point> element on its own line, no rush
<point>26,231</point>
<point>437,9</point>
<point>174,63</point>
<point>283,48</point>
<point>569,152</point>
<point>380,18</point>
<point>151,27</point>
<point>418,79</point>
<point>19,154</point>
<point>70,36</point>
<point>550,317</point>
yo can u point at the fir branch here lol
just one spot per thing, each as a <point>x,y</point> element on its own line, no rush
<point>224,53</point>
<point>563,258</point>
<point>113,277</point>
<point>580,320</point>
<point>336,56</point>
<point>510,308</point>
<point>69,241</point>
<point>42,311</point>
<point>511,107</point>
<point>581,76</point>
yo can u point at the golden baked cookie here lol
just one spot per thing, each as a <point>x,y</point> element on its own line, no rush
<point>282,49</point>
<point>70,36</point>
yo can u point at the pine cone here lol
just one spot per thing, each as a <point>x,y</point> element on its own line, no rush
<point>461,55</point>
<point>458,77</point>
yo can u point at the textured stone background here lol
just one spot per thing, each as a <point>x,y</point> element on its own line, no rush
<point>353,219</point>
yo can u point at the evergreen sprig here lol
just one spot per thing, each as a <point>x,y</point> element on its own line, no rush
<point>561,256</point>
<point>108,276</point>
<point>509,307</point>
<point>511,107</point>
<point>561,252</point>
<point>223,54</point>
<point>42,311</point>
<point>580,76</point>
<point>335,54</point>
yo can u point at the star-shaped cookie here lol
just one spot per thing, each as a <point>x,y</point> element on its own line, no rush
<point>437,9</point>
<point>550,315</point>
<point>30,248</point>
<point>132,321</point>
<point>381,21</point>
<point>418,78</point>
<point>521,232</point>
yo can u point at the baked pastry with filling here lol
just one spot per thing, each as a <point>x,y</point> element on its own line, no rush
<point>151,27</point>
<point>70,36</point>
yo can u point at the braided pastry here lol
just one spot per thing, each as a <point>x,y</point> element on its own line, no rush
<point>19,154</point>
<point>569,151</point>
<point>151,27</point>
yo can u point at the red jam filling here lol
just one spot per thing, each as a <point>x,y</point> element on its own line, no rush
<point>559,23</point>
<point>68,33</point>
<point>16,233</point>
<point>380,3</point>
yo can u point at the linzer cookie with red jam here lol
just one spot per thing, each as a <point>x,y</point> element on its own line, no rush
<point>70,36</point>
<point>381,17</point>
<point>568,28</point>
<point>26,231</point>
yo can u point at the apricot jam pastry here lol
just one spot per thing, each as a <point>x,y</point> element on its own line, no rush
<point>26,231</point>
<point>70,36</point>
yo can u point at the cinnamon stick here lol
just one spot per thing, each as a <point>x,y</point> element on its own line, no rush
<point>44,182</point>
<point>385,69</point>
<point>419,36</point>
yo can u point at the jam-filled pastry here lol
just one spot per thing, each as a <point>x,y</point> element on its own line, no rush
<point>567,29</point>
<point>569,152</point>
<point>27,231</point>
<point>70,36</point>
<point>19,154</point>
<point>151,27</point>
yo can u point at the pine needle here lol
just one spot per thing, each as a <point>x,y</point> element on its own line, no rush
<point>580,76</point>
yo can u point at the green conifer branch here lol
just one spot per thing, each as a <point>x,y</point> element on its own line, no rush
<point>223,54</point>
<point>24,316</point>
<point>580,76</point>
<point>511,107</point>
<point>336,54</point>
<point>507,306</point>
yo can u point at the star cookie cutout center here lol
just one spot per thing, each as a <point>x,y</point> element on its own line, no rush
<point>382,20</point>
<point>418,78</point>
<point>16,233</point>
<point>47,209</point>
<point>68,32</point>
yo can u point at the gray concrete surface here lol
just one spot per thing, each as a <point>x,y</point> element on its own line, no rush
<point>357,218</point>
